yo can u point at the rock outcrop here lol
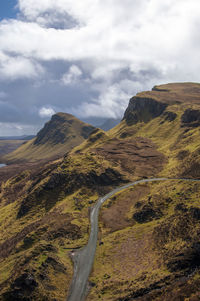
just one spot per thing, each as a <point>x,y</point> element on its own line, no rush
<point>59,129</point>
<point>191,118</point>
<point>143,110</point>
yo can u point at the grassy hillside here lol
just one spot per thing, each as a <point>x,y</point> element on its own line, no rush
<point>149,235</point>
<point>59,136</point>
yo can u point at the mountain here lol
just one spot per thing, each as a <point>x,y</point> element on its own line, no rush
<point>149,246</point>
<point>109,124</point>
<point>59,135</point>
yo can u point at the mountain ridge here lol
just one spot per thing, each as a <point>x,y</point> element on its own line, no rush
<point>148,235</point>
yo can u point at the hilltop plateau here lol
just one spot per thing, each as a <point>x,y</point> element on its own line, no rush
<point>149,246</point>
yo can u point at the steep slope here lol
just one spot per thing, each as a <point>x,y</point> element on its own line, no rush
<point>149,235</point>
<point>58,136</point>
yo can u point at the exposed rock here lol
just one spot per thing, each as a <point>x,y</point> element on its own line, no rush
<point>181,207</point>
<point>187,260</point>
<point>146,214</point>
<point>55,180</point>
<point>51,131</point>
<point>169,116</point>
<point>138,205</point>
<point>57,266</point>
<point>195,213</point>
<point>190,118</point>
<point>143,110</point>
<point>22,288</point>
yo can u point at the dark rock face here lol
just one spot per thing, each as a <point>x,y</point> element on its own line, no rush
<point>180,207</point>
<point>146,214</point>
<point>190,118</point>
<point>50,131</point>
<point>21,288</point>
<point>195,213</point>
<point>169,116</point>
<point>143,110</point>
<point>56,179</point>
<point>187,260</point>
<point>86,131</point>
<point>57,266</point>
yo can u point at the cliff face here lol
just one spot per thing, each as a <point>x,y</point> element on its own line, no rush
<point>143,110</point>
<point>150,104</point>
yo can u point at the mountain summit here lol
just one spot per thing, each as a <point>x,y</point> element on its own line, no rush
<point>58,136</point>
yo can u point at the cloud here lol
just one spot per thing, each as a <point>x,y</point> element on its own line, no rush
<point>16,129</point>
<point>16,67</point>
<point>112,100</point>
<point>46,112</point>
<point>72,76</point>
<point>89,57</point>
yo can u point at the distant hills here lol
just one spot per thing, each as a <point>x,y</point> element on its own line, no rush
<point>109,124</point>
<point>24,137</point>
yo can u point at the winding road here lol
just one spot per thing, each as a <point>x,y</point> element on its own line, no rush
<point>83,258</point>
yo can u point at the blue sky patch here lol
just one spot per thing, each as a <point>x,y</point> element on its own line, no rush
<point>8,9</point>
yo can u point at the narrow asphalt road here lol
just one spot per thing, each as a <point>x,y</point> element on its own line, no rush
<point>83,259</point>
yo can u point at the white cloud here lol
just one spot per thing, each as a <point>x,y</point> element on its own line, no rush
<point>46,112</point>
<point>72,76</point>
<point>111,102</point>
<point>16,129</point>
<point>147,41</point>
<point>18,67</point>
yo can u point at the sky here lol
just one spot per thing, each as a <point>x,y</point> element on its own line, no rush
<point>88,58</point>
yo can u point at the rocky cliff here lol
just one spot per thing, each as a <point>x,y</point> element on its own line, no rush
<point>143,110</point>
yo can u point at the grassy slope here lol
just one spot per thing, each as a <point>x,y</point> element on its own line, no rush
<point>137,259</point>
<point>148,258</point>
<point>45,213</point>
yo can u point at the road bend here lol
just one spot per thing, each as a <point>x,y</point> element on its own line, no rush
<point>83,258</point>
